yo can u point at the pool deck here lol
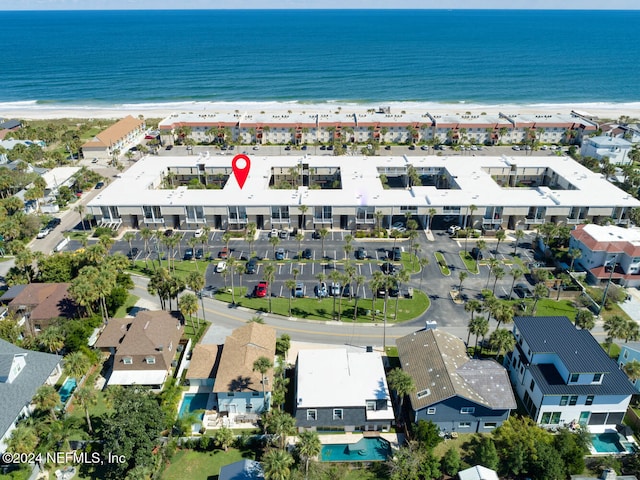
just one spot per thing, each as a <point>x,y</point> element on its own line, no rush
<point>599,430</point>
<point>394,439</point>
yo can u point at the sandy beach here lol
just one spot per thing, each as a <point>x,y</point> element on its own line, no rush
<point>34,111</point>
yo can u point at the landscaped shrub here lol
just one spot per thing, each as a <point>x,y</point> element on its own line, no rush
<point>99,231</point>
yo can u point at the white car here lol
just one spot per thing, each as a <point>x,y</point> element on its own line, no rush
<point>221,267</point>
<point>453,229</point>
<point>198,233</point>
<point>399,227</point>
<point>273,233</point>
<point>43,233</point>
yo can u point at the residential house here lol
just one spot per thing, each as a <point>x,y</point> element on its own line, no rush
<point>239,388</point>
<point>39,305</point>
<point>341,390</point>
<point>22,372</point>
<point>203,366</point>
<point>143,348</point>
<point>608,252</point>
<point>629,352</point>
<point>115,139</point>
<point>614,148</point>
<point>245,469</point>
<point>563,376</point>
<point>477,472</point>
<point>455,392</point>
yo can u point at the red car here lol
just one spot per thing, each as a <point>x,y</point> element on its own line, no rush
<point>261,289</point>
<point>224,253</point>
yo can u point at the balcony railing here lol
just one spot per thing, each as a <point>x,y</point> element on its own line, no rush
<point>534,220</point>
<point>154,220</point>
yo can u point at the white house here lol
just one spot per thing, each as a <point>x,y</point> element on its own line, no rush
<point>608,252</point>
<point>564,377</point>
<point>614,148</point>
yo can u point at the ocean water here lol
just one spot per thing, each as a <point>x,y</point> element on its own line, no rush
<point>111,58</point>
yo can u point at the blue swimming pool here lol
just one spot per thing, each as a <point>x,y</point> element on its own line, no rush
<point>67,389</point>
<point>192,402</point>
<point>611,442</point>
<point>365,450</point>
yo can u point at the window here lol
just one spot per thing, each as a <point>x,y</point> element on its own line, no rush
<point>597,377</point>
<point>337,414</point>
<point>255,394</point>
<point>280,214</point>
<point>464,425</point>
<point>231,394</point>
<point>152,214</point>
<point>490,425</point>
<point>563,400</point>
<point>555,418</point>
<point>423,393</point>
<point>312,414</point>
<point>371,405</point>
<point>574,377</point>
<point>150,360</point>
<point>589,400</point>
<point>195,214</point>
<point>322,214</point>
<point>573,400</point>
<point>237,214</point>
<point>532,385</point>
<point>546,417</point>
<point>431,411</point>
<point>467,409</point>
<point>127,360</point>
<point>626,354</point>
<point>365,215</point>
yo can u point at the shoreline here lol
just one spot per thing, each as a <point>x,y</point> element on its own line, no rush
<point>32,110</point>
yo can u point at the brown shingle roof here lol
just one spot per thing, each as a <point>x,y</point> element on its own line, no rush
<point>244,346</point>
<point>203,361</point>
<point>440,367</point>
<point>114,133</point>
<point>45,301</point>
<point>149,334</point>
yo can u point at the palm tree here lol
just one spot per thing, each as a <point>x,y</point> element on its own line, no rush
<point>502,340</point>
<point>52,339</point>
<point>76,364</point>
<point>377,281</point>
<point>480,245</point>
<point>632,369</point>
<point>86,396</point>
<point>585,319</point>
<point>471,209</point>
<point>335,276</point>
<point>539,291</point>
<point>274,241</point>
<point>299,238</point>
<point>516,273</point>
<point>308,446</point>
<point>504,314</point>
<point>401,278</point>
<point>24,439</point>
<point>498,273</point>
<point>262,365</point>
<point>223,437</point>
<point>231,266</point>
<point>473,306</point>
<point>46,398</point>
<point>303,210</point>
<point>276,464</point>
<point>574,253</point>
<point>500,235</point>
<point>250,235</point>
<point>479,327</point>
<point>360,281</point>
<point>323,234</point>
<point>615,327</point>
<point>519,234</point>
<point>424,261</point>
<point>129,237</point>
<point>188,305</point>
<point>402,383</point>
<point>195,281</point>
<point>80,208</point>
<point>269,276</point>
<point>432,212</point>
<point>290,284</point>
<point>491,263</point>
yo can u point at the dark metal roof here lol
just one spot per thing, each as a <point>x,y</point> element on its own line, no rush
<point>578,351</point>
<point>551,383</point>
<point>9,124</point>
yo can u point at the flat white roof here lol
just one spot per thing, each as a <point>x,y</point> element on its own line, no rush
<point>59,175</point>
<point>337,378</point>
<point>607,141</point>
<point>137,377</point>
<point>613,233</point>
<point>361,185</point>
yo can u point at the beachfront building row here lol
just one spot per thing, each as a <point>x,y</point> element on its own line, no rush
<point>382,125</point>
<point>358,193</point>
<point>116,139</point>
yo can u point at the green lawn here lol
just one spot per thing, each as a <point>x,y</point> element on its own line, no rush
<point>518,261</point>
<point>124,309</point>
<point>410,263</point>
<point>182,269</point>
<point>322,309</point>
<point>199,465</point>
<point>469,262</point>
<point>442,263</point>
<point>194,335</point>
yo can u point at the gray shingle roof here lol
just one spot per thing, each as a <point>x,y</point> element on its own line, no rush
<point>440,368</point>
<point>577,349</point>
<point>16,395</point>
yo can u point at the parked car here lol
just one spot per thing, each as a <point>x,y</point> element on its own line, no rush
<point>361,253</point>
<point>388,268</point>
<point>168,232</point>
<point>299,290</point>
<point>476,253</point>
<point>522,290</point>
<point>188,254</point>
<point>335,289</point>
<point>283,234</point>
<point>399,227</point>
<point>453,229</point>
<point>273,232</point>
<point>198,233</point>
<point>321,290</point>
<point>99,185</point>
<point>43,232</point>
<point>381,292</point>
<point>169,147</point>
<point>280,254</point>
<point>315,235</point>
<point>133,253</point>
<point>54,222</point>
<point>223,253</point>
<point>395,254</point>
<point>252,266</point>
<point>199,254</point>
<point>221,266</point>
<point>346,291</point>
<point>306,254</point>
<point>261,289</point>
<point>209,291</point>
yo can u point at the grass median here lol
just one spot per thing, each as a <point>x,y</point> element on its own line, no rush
<point>322,308</point>
<point>442,263</point>
<point>469,262</point>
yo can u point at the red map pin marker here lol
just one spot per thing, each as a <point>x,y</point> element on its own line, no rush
<point>241,165</point>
